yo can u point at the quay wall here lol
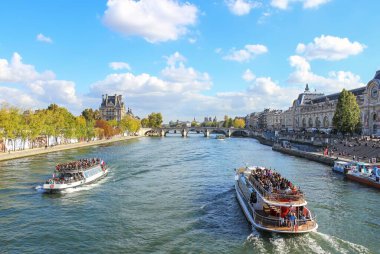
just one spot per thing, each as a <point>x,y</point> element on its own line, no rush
<point>307,155</point>
<point>263,140</point>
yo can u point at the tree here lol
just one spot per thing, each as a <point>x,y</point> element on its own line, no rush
<point>194,124</point>
<point>230,123</point>
<point>144,122</point>
<point>347,114</point>
<point>130,124</point>
<point>155,120</point>
<point>225,123</point>
<point>239,123</point>
<point>108,130</point>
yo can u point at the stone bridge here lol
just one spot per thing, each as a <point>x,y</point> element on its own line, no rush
<point>184,131</point>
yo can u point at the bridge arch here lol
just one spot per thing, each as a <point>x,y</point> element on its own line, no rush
<point>246,132</point>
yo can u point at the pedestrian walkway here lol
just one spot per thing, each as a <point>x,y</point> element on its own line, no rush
<point>35,151</point>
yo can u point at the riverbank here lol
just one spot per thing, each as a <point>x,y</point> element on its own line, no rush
<point>36,151</point>
<point>306,155</point>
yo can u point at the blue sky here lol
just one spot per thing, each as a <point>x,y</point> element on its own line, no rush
<point>184,58</point>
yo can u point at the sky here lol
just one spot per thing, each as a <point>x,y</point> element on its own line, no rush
<point>185,59</point>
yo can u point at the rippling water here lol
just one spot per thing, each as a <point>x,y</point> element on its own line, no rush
<point>176,195</point>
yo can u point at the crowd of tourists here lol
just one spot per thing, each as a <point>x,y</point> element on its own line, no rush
<point>355,149</point>
<point>79,164</point>
<point>273,182</point>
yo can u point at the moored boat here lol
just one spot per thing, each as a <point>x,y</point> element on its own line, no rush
<point>365,173</point>
<point>76,173</point>
<point>220,136</point>
<point>271,202</point>
<point>340,166</point>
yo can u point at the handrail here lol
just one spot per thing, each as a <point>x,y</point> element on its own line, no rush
<point>265,221</point>
<point>274,196</point>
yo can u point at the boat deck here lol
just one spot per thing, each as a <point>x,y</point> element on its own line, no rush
<point>269,223</point>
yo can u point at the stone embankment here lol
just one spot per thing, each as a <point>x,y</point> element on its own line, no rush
<point>307,155</point>
<point>36,151</point>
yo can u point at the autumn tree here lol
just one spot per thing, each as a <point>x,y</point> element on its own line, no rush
<point>239,123</point>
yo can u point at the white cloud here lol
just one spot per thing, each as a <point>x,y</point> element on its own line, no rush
<point>43,38</point>
<point>119,66</point>
<point>246,54</point>
<point>35,89</point>
<point>314,3</point>
<point>155,21</point>
<point>330,48</point>
<point>306,4</point>
<point>17,97</point>
<point>248,75</point>
<point>241,7</point>
<point>333,83</point>
<point>16,71</point>
<point>280,4</point>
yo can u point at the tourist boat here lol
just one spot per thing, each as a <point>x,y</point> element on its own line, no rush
<point>220,137</point>
<point>339,166</point>
<point>271,209</point>
<point>75,174</point>
<point>364,173</point>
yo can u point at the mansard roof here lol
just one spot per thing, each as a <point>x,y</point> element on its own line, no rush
<point>335,96</point>
<point>377,75</point>
<point>112,100</point>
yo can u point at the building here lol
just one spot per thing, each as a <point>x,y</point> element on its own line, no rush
<point>316,110</point>
<point>252,120</point>
<point>113,108</point>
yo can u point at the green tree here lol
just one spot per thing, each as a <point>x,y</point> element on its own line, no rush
<point>347,114</point>
<point>230,123</point>
<point>154,120</point>
<point>144,122</point>
<point>194,124</point>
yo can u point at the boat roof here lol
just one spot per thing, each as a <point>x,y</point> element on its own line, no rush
<point>276,199</point>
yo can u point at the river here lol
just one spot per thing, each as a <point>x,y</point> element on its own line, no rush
<point>176,195</point>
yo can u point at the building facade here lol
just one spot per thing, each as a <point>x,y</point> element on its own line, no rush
<point>316,110</point>
<point>112,107</point>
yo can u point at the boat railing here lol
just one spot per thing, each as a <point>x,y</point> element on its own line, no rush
<point>275,196</point>
<point>307,223</point>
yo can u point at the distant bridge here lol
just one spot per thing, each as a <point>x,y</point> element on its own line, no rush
<point>184,131</point>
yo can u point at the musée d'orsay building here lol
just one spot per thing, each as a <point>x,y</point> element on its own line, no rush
<point>316,110</point>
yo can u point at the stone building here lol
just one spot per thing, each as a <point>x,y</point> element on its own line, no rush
<point>252,120</point>
<point>112,108</point>
<point>316,110</point>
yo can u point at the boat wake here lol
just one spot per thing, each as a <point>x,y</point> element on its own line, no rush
<point>309,243</point>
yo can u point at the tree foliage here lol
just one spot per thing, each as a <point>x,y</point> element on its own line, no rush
<point>154,120</point>
<point>56,122</point>
<point>130,124</point>
<point>239,123</point>
<point>347,114</point>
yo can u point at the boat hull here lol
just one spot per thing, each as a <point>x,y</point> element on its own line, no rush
<point>56,188</point>
<point>258,226</point>
<point>363,180</point>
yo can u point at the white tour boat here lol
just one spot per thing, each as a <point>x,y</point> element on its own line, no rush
<point>271,202</point>
<point>75,174</point>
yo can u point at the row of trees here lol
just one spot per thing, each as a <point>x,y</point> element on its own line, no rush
<point>40,125</point>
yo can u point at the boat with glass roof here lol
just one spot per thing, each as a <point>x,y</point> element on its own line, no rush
<point>272,203</point>
<point>76,173</point>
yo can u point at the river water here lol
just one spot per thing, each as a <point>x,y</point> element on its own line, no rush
<point>176,195</point>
